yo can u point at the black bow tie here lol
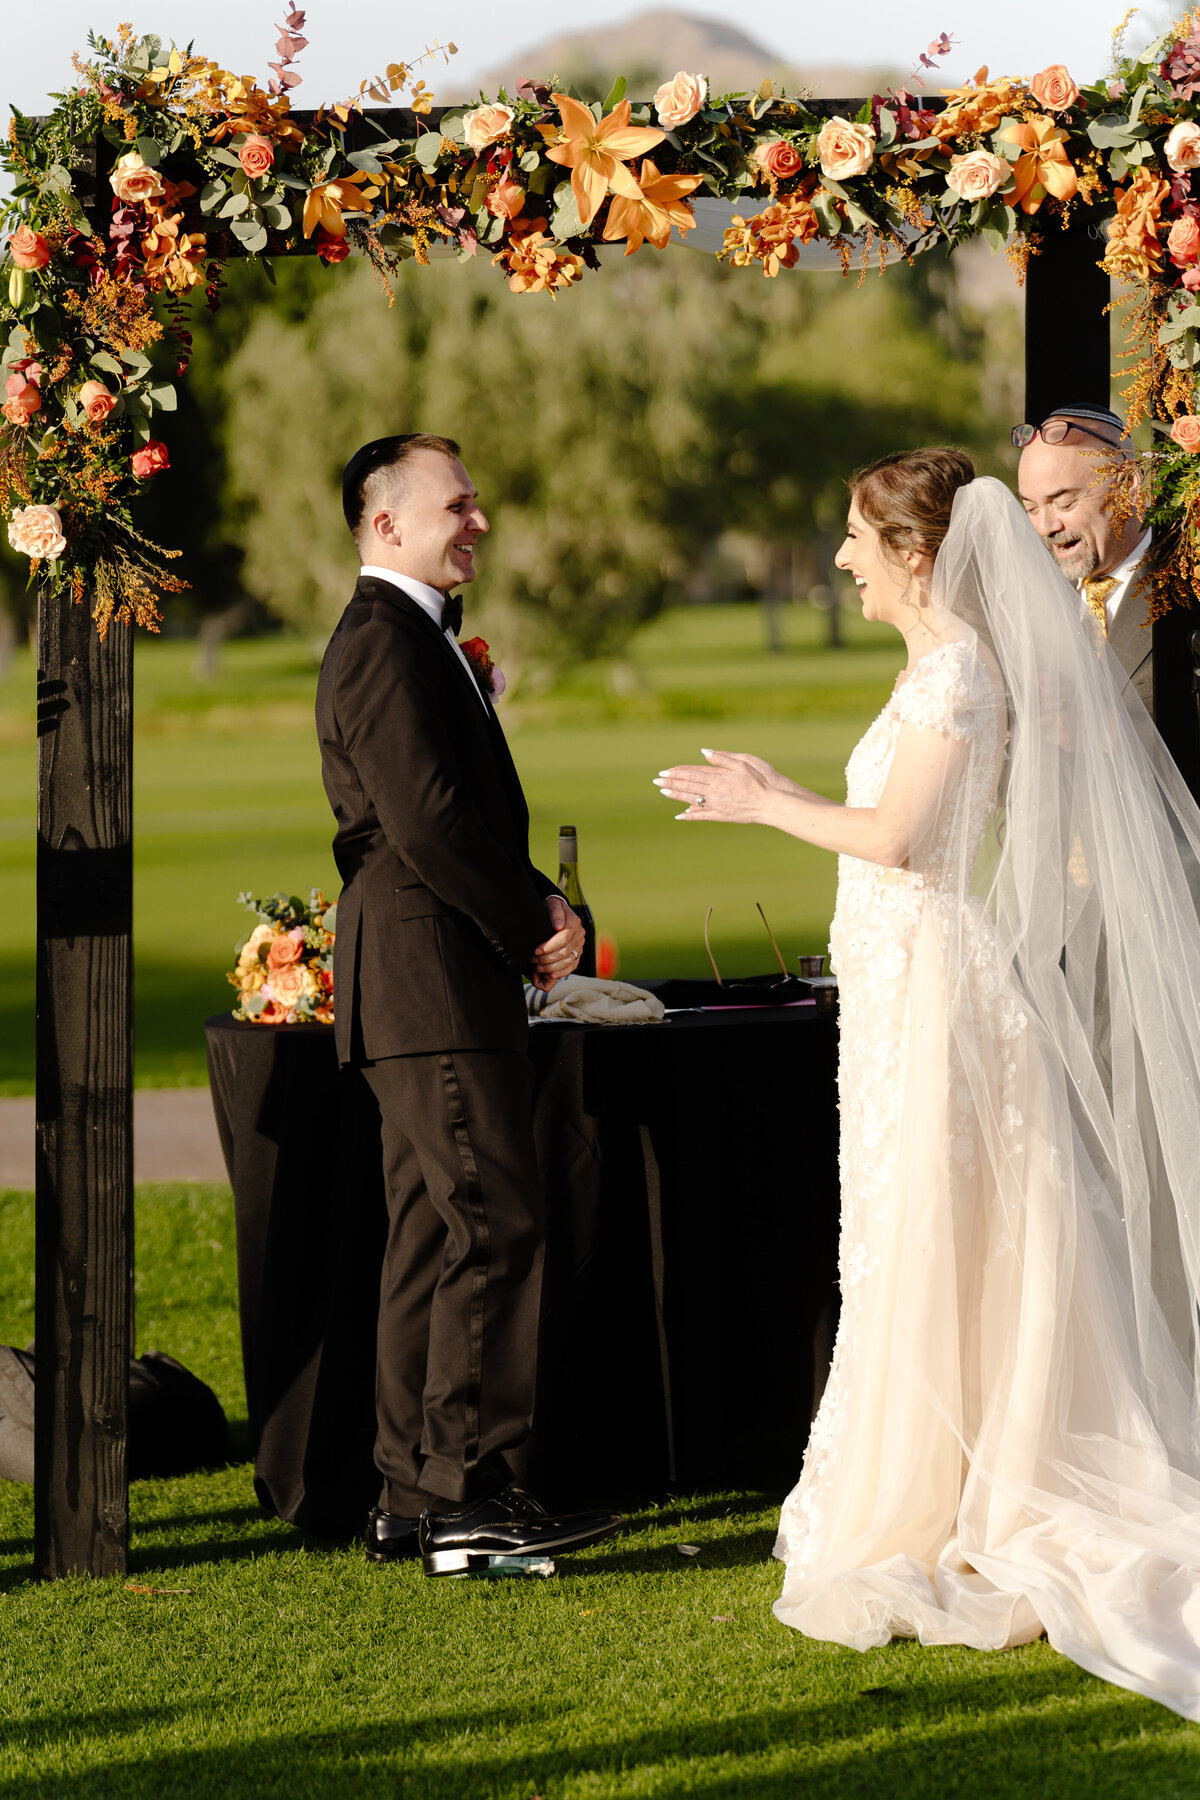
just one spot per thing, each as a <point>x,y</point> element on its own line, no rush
<point>452,614</point>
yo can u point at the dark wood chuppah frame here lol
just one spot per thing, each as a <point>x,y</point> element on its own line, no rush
<point>84,1299</point>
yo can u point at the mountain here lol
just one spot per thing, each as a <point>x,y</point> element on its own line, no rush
<point>650,48</point>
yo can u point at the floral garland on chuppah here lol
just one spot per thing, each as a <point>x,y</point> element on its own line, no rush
<point>207,165</point>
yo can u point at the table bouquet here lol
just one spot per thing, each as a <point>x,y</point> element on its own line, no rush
<point>284,970</point>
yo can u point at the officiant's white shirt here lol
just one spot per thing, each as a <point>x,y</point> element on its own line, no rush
<point>430,601</point>
<point>1123,575</point>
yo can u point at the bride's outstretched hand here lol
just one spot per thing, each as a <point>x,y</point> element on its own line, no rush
<point>731,788</point>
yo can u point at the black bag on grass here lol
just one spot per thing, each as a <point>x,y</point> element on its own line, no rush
<point>176,1424</point>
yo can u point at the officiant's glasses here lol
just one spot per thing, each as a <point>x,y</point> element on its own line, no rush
<point>1054,431</point>
<point>783,980</point>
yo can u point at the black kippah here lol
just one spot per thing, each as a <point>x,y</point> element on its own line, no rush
<point>375,455</point>
<point>1100,415</point>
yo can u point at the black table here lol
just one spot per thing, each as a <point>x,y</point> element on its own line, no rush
<point>690,1289</point>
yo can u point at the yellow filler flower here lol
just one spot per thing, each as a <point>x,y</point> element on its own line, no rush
<point>1044,167</point>
<point>659,205</point>
<point>596,154</point>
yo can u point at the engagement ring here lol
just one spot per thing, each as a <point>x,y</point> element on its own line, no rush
<point>700,800</point>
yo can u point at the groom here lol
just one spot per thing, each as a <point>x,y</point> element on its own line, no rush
<point>441,914</point>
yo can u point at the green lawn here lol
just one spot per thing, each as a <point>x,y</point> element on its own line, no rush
<point>287,1669</point>
<point>228,796</point>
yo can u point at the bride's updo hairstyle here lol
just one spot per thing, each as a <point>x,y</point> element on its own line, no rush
<point>908,496</point>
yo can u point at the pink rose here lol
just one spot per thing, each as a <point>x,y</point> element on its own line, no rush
<point>1182,148</point>
<point>978,175</point>
<point>487,125</point>
<point>1054,89</point>
<point>779,159</point>
<point>149,459</point>
<point>285,949</point>
<point>257,156</point>
<point>22,399</point>
<point>1184,241</point>
<point>679,100</point>
<point>1186,432</point>
<point>845,149</point>
<point>134,182</point>
<point>96,401</point>
<point>36,531</point>
<point>28,248</point>
<point>1190,279</point>
<point>506,199</point>
<point>498,682</point>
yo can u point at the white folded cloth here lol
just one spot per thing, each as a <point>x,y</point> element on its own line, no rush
<point>593,1002</point>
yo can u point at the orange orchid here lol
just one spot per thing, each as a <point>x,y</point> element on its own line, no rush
<point>1044,167</point>
<point>596,154</point>
<point>660,204</point>
<point>325,204</point>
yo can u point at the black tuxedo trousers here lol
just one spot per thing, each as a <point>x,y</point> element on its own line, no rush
<point>462,1276</point>
<point>439,914</point>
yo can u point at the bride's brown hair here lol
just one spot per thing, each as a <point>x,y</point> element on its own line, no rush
<point>908,496</point>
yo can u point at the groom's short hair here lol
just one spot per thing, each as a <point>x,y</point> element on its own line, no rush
<point>371,471</point>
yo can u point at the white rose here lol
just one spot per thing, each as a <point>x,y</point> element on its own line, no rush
<point>1182,148</point>
<point>680,99</point>
<point>36,531</point>
<point>978,175</point>
<point>845,149</point>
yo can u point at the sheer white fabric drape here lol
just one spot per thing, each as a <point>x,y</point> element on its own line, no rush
<point>1011,1435</point>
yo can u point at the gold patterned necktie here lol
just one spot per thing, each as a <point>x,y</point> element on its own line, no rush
<point>1095,593</point>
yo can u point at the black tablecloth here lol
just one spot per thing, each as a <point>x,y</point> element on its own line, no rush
<point>690,1299</point>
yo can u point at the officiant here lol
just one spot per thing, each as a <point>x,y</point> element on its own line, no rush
<point>1102,553</point>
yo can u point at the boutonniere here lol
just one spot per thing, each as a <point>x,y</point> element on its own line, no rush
<point>489,677</point>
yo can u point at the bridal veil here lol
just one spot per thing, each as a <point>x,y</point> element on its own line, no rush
<point>1022,1445</point>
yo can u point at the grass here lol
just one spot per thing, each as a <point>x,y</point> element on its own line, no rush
<point>288,1668</point>
<point>228,796</point>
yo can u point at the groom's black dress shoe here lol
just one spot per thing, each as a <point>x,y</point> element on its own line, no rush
<point>510,1523</point>
<point>389,1538</point>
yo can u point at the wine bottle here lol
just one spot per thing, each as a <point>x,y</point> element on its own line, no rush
<point>568,884</point>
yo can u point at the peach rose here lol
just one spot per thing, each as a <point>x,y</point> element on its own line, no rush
<point>149,459</point>
<point>845,149</point>
<point>96,401</point>
<point>1054,89</point>
<point>256,156</point>
<point>28,248</point>
<point>1184,241</point>
<point>287,986</point>
<point>37,531</point>
<point>978,175</point>
<point>285,949</point>
<point>680,99</point>
<point>779,159</point>
<point>271,1014</point>
<point>134,182</point>
<point>487,125</point>
<point>1186,432</point>
<point>22,399</point>
<point>506,199</point>
<point>1182,148</point>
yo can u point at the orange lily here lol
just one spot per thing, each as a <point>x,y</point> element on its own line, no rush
<point>659,205</point>
<point>596,154</point>
<point>1044,166</point>
<point>325,204</point>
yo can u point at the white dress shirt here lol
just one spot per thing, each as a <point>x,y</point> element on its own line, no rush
<point>431,601</point>
<point>1124,574</point>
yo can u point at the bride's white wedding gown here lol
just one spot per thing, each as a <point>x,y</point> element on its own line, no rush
<point>987,1461</point>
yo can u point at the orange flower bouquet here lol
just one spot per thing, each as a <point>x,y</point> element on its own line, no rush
<point>284,970</point>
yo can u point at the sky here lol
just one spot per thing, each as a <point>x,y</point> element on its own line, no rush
<point>348,43</point>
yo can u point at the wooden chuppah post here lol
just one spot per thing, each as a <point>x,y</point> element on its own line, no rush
<point>84,1206</point>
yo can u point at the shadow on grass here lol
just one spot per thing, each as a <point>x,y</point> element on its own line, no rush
<point>949,1737</point>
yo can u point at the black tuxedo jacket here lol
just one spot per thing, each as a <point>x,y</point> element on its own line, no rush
<point>441,907</point>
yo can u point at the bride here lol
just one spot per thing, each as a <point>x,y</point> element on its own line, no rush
<point>1009,1441</point>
